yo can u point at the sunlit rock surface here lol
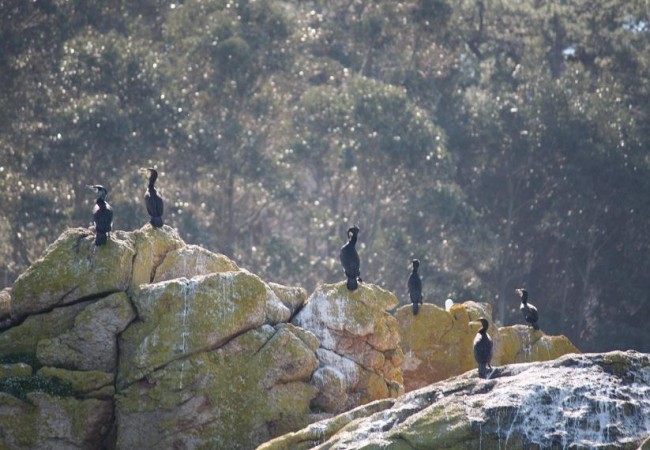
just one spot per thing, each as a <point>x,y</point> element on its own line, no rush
<point>73,269</point>
<point>360,357</point>
<point>191,261</point>
<point>152,246</point>
<point>180,317</point>
<point>577,401</point>
<point>437,344</point>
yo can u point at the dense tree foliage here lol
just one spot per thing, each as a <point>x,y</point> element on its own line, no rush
<point>504,144</point>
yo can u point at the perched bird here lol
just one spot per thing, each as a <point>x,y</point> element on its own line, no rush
<point>448,304</point>
<point>415,287</point>
<point>483,349</point>
<point>153,201</point>
<point>350,259</point>
<point>102,215</point>
<point>528,310</point>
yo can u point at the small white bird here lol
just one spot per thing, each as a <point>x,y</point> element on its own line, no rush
<point>448,303</point>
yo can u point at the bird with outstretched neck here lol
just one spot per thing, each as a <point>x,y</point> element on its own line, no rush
<point>415,287</point>
<point>152,199</point>
<point>350,259</point>
<point>102,215</point>
<point>528,310</point>
<point>483,349</point>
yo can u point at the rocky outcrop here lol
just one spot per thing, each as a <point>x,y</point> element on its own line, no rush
<point>576,401</point>
<point>437,344</point>
<point>147,342</point>
<point>360,357</point>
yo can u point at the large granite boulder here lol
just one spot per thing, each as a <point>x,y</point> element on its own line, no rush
<point>73,269</point>
<point>438,344</point>
<point>181,317</point>
<point>247,391</point>
<point>152,245</point>
<point>520,344</point>
<point>360,357</point>
<point>577,401</point>
<point>205,355</point>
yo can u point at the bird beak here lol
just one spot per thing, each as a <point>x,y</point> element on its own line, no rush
<point>143,170</point>
<point>90,187</point>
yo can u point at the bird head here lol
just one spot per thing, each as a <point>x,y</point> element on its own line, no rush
<point>483,321</point>
<point>522,293</point>
<point>353,231</point>
<point>416,263</point>
<point>99,189</point>
<point>151,173</point>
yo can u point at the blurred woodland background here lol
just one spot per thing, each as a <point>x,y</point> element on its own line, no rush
<point>504,143</point>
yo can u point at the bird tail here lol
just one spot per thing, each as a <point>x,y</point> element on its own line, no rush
<point>101,238</point>
<point>535,326</point>
<point>416,308</point>
<point>156,222</point>
<point>352,283</point>
<point>482,370</point>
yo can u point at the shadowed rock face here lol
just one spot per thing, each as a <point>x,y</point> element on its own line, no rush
<point>576,401</point>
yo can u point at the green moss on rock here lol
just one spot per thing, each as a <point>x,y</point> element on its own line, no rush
<point>25,337</point>
<point>73,268</point>
<point>152,245</point>
<point>87,383</point>
<point>236,397</point>
<point>182,317</point>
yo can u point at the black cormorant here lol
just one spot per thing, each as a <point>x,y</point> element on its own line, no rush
<point>415,287</point>
<point>483,349</point>
<point>102,215</point>
<point>350,259</point>
<point>153,201</point>
<point>528,310</point>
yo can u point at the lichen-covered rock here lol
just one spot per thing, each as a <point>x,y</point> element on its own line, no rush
<point>191,261</point>
<point>71,269</point>
<point>438,344</point>
<point>520,343</point>
<point>576,401</point>
<point>181,317</point>
<point>91,343</point>
<point>152,245</point>
<point>25,337</point>
<point>238,396</point>
<point>292,297</point>
<point>360,344</point>
<point>49,422</point>
<point>88,383</point>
